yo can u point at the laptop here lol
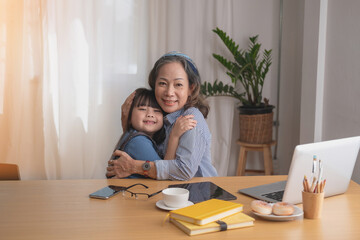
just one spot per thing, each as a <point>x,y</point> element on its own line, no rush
<point>338,158</point>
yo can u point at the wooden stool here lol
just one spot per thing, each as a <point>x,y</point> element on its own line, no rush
<point>265,148</point>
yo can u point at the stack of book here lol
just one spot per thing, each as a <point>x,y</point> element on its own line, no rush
<point>210,216</point>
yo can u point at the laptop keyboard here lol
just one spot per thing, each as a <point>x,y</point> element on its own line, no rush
<point>275,195</point>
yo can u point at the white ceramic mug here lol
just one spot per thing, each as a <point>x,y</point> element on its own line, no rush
<point>175,197</point>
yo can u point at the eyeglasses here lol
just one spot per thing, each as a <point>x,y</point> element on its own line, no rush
<point>126,192</point>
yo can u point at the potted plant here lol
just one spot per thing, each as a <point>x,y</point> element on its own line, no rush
<point>248,69</point>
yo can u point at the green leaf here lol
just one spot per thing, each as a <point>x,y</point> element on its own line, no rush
<point>210,89</point>
<point>223,61</point>
<point>221,86</point>
<point>229,43</point>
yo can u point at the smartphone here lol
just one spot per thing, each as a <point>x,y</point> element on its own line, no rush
<point>106,192</point>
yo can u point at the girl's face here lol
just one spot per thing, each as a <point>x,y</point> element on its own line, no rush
<point>172,87</point>
<point>147,119</point>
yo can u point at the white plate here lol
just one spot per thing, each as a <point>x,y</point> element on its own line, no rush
<point>297,213</point>
<point>160,204</point>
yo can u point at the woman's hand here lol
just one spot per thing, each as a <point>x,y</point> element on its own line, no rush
<point>183,124</point>
<point>125,108</point>
<point>120,167</point>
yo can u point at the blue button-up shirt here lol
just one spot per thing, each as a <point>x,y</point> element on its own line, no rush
<point>193,155</point>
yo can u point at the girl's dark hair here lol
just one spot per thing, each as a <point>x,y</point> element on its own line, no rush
<point>146,97</point>
<point>196,99</point>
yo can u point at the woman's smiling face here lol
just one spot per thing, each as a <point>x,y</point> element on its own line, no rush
<point>172,87</point>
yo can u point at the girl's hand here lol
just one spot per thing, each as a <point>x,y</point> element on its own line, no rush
<point>125,108</point>
<point>183,124</point>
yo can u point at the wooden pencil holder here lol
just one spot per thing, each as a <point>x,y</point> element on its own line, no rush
<point>312,204</point>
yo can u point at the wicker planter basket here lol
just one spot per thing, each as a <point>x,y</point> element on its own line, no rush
<point>256,129</point>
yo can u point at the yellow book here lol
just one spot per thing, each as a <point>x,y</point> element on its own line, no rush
<point>237,220</point>
<point>207,211</point>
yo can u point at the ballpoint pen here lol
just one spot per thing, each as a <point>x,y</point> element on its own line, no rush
<point>314,166</point>
<point>320,175</point>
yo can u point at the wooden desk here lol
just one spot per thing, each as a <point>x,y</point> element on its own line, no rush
<point>62,210</point>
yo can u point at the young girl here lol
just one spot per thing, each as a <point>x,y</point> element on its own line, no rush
<point>144,129</point>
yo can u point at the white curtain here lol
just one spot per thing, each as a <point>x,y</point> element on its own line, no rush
<point>21,136</point>
<point>67,66</point>
<point>222,131</point>
<point>95,57</point>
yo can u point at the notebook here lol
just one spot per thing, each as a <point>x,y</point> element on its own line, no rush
<point>338,158</point>
<point>207,211</point>
<point>237,220</point>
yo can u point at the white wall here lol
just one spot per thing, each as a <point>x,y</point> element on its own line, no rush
<point>329,88</point>
<point>341,114</point>
<point>290,84</point>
